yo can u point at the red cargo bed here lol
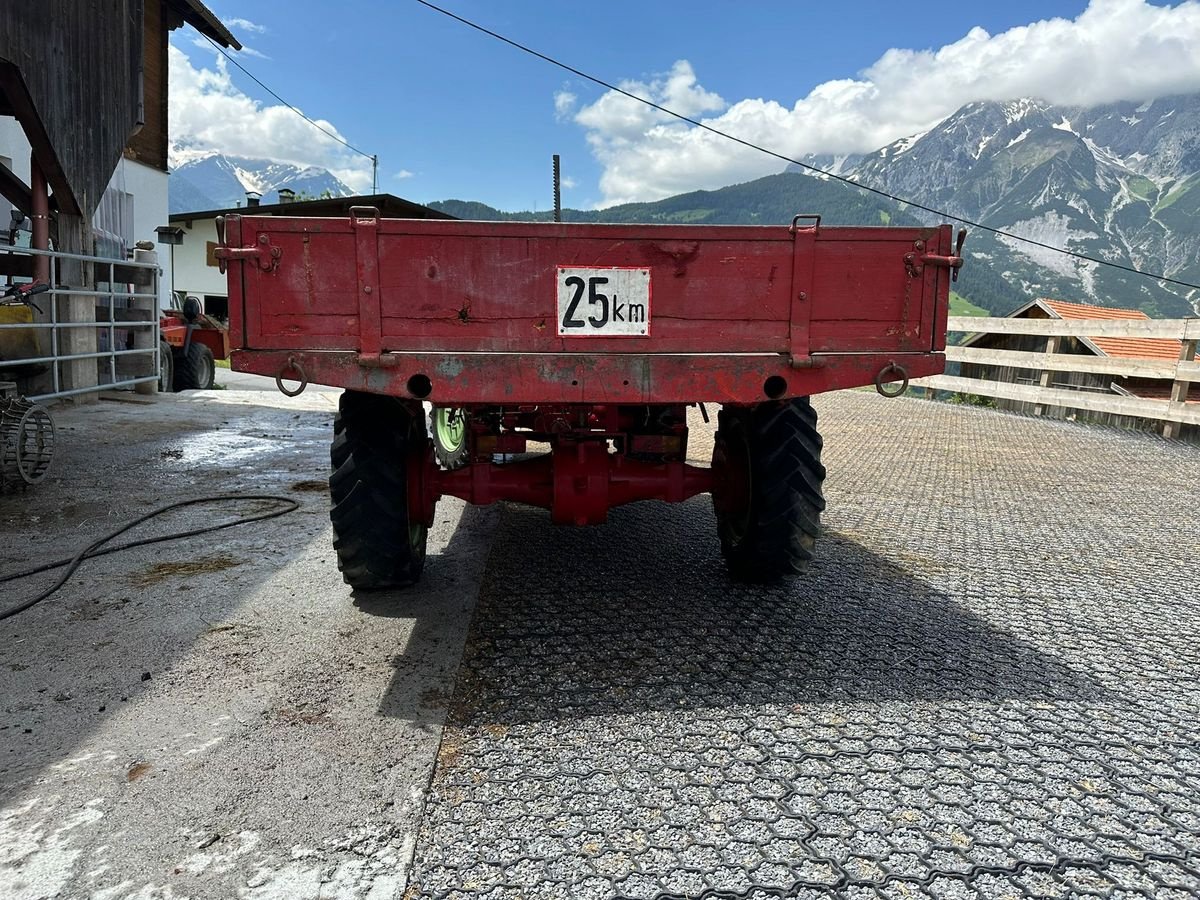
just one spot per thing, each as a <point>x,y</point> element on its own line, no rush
<point>460,312</point>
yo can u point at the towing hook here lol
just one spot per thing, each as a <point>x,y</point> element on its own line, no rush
<point>293,365</point>
<point>891,372</point>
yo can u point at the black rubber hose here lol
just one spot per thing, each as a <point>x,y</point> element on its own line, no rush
<point>94,549</point>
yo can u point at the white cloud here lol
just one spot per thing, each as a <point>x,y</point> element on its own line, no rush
<point>404,173</point>
<point>203,43</point>
<point>246,25</point>
<point>208,112</point>
<point>1114,50</point>
<point>564,104</point>
<point>567,182</point>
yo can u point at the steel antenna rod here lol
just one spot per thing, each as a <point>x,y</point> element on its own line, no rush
<point>557,191</point>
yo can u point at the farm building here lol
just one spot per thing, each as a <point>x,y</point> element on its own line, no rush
<point>83,171</point>
<point>193,261</point>
<point>1160,350</point>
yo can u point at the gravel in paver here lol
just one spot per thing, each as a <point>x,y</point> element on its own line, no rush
<point>986,686</point>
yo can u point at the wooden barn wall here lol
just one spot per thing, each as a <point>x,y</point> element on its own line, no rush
<point>149,145</point>
<point>80,62</point>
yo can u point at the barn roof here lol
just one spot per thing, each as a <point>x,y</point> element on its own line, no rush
<point>1124,348</point>
<point>202,19</point>
<point>1119,347</point>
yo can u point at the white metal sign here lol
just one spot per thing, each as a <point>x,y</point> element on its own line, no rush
<point>603,302</point>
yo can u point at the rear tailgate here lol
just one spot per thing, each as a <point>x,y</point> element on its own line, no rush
<point>379,289</point>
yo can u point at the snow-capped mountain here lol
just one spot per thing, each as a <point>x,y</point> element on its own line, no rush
<point>1120,182</point>
<point>217,181</point>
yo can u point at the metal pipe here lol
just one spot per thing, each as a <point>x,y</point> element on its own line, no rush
<point>130,382</point>
<point>40,204</point>
<point>557,191</point>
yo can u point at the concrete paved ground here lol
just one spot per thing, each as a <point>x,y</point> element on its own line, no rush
<point>218,717</point>
<point>987,685</point>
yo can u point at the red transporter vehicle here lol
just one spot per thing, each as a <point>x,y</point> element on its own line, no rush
<point>594,339</point>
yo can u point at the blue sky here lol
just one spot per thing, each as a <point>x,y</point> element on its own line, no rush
<point>453,113</point>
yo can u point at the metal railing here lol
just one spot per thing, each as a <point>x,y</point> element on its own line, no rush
<point>118,288</point>
<point>1173,413</point>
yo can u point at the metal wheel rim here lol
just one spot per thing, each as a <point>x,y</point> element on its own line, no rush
<point>36,428</point>
<point>451,429</point>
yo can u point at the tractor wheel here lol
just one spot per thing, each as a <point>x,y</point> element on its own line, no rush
<point>767,490</point>
<point>166,368</point>
<point>195,369</point>
<point>375,440</point>
<point>449,429</point>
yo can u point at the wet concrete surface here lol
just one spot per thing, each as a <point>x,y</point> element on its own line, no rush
<point>216,717</point>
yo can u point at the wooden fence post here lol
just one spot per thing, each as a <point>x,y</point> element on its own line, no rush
<point>1179,390</point>
<point>1052,345</point>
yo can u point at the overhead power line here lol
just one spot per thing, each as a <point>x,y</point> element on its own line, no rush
<point>325,131</point>
<point>753,146</point>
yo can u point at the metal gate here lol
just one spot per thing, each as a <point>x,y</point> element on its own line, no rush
<point>70,346</point>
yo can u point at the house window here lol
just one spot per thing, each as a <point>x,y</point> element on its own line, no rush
<point>216,306</point>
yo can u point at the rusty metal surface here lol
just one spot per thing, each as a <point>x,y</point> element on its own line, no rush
<point>380,288</point>
<point>987,686</point>
<point>460,379</point>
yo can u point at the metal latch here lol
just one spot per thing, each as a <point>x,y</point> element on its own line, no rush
<point>264,253</point>
<point>915,264</point>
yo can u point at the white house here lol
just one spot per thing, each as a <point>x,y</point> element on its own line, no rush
<point>194,267</point>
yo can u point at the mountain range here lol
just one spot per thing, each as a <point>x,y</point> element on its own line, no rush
<point>1119,182</point>
<point>218,181</point>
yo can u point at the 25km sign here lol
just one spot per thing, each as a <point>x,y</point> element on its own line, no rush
<point>603,302</point>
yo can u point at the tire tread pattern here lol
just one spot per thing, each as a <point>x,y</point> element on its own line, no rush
<point>369,490</point>
<point>194,368</point>
<point>786,499</point>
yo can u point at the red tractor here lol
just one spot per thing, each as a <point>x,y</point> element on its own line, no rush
<point>593,339</point>
<point>189,345</point>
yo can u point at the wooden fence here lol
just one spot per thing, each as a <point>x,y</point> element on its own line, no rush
<point>1173,413</point>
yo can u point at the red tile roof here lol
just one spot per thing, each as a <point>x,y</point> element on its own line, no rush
<point>1125,348</point>
<point>1160,392</point>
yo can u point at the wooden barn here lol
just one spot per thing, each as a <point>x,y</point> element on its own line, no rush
<point>1124,348</point>
<point>83,168</point>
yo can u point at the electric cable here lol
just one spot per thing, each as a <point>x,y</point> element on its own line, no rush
<point>92,550</point>
<point>842,178</point>
<point>294,109</point>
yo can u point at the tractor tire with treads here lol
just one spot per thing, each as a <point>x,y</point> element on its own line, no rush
<point>375,439</point>
<point>768,496</point>
<point>195,369</point>
<point>166,368</point>
<point>448,428</point>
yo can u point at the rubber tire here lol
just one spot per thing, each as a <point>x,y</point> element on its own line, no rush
<point>195,369</point>
<point>373,442</point>
<point>774,536</point>
<point>449,457</point>
<point>166,368</point>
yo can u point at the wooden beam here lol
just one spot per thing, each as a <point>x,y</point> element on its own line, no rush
<point>16,192</point>
<point>1180,329</point>
<point>1072,362</point>
<point>1187,414</point>
<point>1179,390</point>
<point>1052,346</point>
<point>13,86</point>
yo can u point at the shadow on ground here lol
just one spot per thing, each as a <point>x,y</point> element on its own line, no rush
<point>640,615</point>
<point>124,623</point>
